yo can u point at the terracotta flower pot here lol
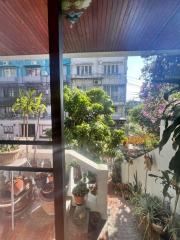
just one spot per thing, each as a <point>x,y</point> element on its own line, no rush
<point>79,200</point>
<point>10,156</point>
<point>50,178</point>
<point>41,180</point>
<point>47,198</point>
<point>157,228</point>
<point>18,186</point>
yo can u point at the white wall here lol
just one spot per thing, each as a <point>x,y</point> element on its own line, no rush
<point>160,162</point>
<point>98,203</point>
<point>16,124</point>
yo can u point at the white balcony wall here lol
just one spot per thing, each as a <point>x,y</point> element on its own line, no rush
<point>160,162</point>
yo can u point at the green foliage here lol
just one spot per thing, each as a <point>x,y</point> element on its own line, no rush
<point>173,130</point>
<point>38,106</point>
<point>29,103</point>
<point>137,185</point>
<point>8,148</point>
<point>166,69</point>
<point>151,208</point>
<point>88,125</point>
<point>48,133</point>
<point>80,189</point>
<point>166,181</point>
<point>161,79</point>
<point>116,169</point>
<point>25,102</point>
<point>136,116</point>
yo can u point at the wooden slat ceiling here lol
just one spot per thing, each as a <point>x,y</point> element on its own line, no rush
<point>107,25</point>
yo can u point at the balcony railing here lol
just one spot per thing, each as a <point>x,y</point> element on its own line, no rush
<point>94,76</point>
<point>8,79</point>
<point>115,78</point>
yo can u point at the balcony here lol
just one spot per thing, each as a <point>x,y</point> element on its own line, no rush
<point>6,101</point>
<point>86,76</point>
<point>8,79</point>
<point>32,79</point>
<point>115,79</point>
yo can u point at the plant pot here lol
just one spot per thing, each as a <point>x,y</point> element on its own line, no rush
<point>47,198</point>
<point>10,156</point>
<point>40,180</point>
<point>18,186</point>
<point>79,200</point>
<point>50,178</point>
<point>157,228</point>
<point>21,201</point>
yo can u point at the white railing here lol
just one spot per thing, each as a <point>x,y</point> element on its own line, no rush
<point>99,203</point>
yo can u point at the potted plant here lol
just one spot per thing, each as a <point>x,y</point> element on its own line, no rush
<point>153,216</point>
<point>79,192</point>
<point>22,196</point>
<point>9,153</point>
<point>41,179</point>
<point>47,198</point>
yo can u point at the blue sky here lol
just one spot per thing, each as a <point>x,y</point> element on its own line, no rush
<point>135,65</point>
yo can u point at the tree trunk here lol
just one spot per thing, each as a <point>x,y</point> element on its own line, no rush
<point>35,147</point>
<point>27,147</point>
<point>24,126</point>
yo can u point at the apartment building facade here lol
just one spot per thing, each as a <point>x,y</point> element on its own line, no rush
<point>16,74</point>
<point>33,73</point>
<point>107,73</point>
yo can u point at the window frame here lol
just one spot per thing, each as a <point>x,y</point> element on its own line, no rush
<point>57,114</point>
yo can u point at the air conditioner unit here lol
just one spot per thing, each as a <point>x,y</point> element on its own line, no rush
<point>97,82</point>
<point>5,63</point>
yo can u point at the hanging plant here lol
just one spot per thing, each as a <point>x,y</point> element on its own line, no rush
<point>148,162</point>
<point>73,9</point>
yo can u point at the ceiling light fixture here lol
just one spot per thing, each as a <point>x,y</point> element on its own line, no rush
<point>73,9</point>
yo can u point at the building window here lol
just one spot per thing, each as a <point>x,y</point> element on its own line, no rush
<point>97,82</point>
<point>107,89</point>
<point>9,92</point>
<point>10,72</point>
<point>84,70</point>
<point>33,71</point>
<point>8,129</point>
<point>111,69</point>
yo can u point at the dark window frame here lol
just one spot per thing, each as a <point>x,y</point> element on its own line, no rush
<point>56,87</point>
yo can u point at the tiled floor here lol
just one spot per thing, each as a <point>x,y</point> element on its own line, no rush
<point>122,225</point>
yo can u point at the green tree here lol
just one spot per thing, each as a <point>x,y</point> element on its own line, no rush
<point>88,122</point>
<point>136,116</point>
<point>38,109</point>
<point>24,104</point>
<point>161,79</point>
<point>29,103</point>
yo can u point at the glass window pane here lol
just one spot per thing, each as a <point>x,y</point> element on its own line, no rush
<point>78,70</point>
<point>25,155</point>
<point>26,205</point>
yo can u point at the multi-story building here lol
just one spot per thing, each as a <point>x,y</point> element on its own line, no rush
<point>25,73</point>
<point>84,73</point>
<point>108,73</point>
<point>16,74</point>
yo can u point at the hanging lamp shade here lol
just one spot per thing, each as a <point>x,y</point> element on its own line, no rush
<point>73,9</point>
